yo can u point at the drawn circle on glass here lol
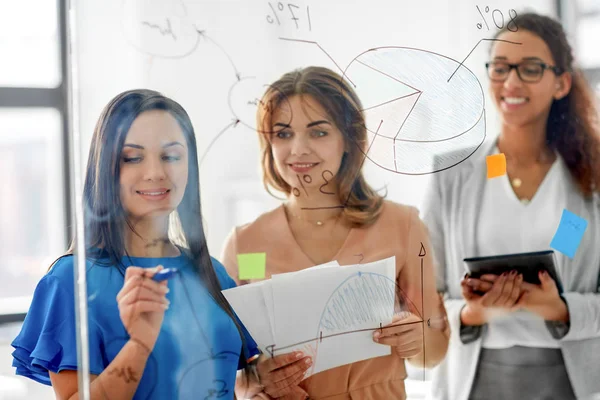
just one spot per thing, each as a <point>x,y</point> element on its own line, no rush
<point>245,98</point>
<point>424,112</point>
<point>159,28</point>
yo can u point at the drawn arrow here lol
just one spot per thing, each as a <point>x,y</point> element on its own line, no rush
<point>233,123</point>
<point>202,34</point>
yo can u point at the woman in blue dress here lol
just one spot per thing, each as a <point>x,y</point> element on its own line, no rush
<point>175,339</point>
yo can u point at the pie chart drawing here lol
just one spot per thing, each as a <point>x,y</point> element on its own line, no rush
<point>414,113</point>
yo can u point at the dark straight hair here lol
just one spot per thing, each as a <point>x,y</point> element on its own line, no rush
<point>105,217</point>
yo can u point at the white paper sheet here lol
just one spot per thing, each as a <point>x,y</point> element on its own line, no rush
<point>249,304</point>
<point>330,313</point>
<point>327,311</point>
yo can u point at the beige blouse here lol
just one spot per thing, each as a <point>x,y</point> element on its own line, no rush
<point>397,232</point>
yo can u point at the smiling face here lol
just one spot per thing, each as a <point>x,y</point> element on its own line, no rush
<point>307,143</point>
<point>154,166</point>
<point>523,103</point>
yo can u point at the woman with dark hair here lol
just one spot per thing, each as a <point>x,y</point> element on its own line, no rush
<point>512,339</point>
<point>312,132</point>
<point>147,339</point>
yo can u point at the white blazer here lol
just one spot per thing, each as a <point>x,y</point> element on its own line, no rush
<point>451,213</point>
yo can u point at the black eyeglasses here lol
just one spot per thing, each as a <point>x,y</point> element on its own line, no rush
<point>528,71</point>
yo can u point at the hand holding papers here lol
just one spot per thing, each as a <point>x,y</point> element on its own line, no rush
<point>328,312</point>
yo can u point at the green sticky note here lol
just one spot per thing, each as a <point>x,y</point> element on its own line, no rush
<point>252,265</point>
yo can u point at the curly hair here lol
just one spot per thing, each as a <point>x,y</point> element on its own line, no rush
<point>572,127</point>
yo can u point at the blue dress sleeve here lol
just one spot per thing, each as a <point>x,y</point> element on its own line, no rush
<point>251,348</point>
<point>47,340</point>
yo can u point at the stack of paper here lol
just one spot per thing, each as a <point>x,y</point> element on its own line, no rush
<point>329,312</point>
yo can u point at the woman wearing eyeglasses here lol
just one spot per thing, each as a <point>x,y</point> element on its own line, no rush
<point>512,339</point>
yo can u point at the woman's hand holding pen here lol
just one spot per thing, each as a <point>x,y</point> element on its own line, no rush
<point>489,295</point>
<point>142,304</point>
<point>281,374</point>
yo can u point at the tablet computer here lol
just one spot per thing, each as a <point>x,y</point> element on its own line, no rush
<point>528,264</point>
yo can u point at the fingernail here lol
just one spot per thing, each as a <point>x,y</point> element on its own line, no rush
<point>376,335</point>
<point>299,355</point>
<point>308,361</point>
<point>520,278</point>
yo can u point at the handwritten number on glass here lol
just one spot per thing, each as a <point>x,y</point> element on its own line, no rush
<point>326,182</point>
<point>308,179</point>
<point>276,13</point>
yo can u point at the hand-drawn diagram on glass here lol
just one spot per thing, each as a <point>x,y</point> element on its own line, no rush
<point>430,104</point>
<point>159,28</point>
<point>423,113</point>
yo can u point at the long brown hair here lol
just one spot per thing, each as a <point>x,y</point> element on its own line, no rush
<point>105,216</point>
<point>362,205</point>
<point>572,127</point>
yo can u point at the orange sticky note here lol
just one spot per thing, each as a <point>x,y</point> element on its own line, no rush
<point>496,165</point>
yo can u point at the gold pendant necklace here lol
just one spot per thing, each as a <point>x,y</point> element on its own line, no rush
<point>318,223</point>
<point>516,182</point>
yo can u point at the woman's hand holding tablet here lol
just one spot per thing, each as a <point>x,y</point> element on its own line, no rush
<point>489,296</point>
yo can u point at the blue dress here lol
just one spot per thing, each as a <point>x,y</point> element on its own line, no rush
<point>197,353</point>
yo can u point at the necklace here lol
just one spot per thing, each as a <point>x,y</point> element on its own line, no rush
<point>543,157</point>
<point>319,223</point>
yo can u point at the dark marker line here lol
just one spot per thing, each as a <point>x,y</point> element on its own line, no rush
<point>321,208</point>
<point>407,116</point>
<point>483,18</point>
<point>323,50</point>
<point>388,75</point>
<point>164,32</point>
<point>363,161</point>
<point>339,334</point>
<point>204,35</point>
<point>212,142</point>
<point>423,313</point>
<point>275,14</point>
<point>394,147</point>
<point>387,102</point>
<point>473,49</point>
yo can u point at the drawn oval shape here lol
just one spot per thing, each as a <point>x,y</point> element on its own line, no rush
<point>245,98</point>
<point>419,106</point>
<point>159,28</point>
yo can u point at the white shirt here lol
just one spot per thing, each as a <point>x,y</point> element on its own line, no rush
<point>507,225</point>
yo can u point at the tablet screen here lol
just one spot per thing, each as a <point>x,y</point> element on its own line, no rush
<point>528,264</point>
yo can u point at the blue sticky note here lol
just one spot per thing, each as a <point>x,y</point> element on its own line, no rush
<point>569,233</point>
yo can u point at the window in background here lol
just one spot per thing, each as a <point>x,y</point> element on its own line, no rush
<point>33,166</point>
<point>586,31</point>
<point>29,44</point>
<point>31,210</point>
